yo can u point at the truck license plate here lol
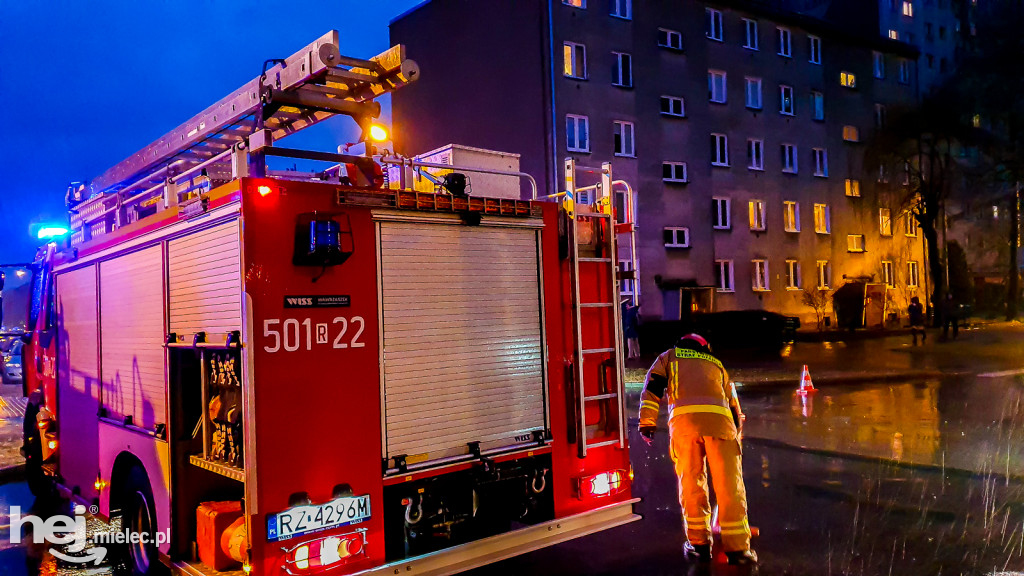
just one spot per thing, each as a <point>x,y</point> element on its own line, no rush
<point>303,520</point>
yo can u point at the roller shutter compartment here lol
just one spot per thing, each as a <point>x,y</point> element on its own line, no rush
<point>205,281</point>
<point>462,338</point>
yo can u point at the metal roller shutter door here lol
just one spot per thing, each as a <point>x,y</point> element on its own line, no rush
<point>205,281</point>
<point>132,337</point>
<point>462,337</point>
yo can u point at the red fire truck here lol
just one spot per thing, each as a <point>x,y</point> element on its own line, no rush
<point>326,372</point>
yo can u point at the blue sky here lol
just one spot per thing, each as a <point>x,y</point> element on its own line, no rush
<point>83,84</point>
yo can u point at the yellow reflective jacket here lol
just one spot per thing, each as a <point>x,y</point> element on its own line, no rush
<point>701,400</point>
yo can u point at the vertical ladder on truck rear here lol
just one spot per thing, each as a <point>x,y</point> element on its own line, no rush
<point>607,397</point>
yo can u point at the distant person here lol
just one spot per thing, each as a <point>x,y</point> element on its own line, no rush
<point>950,315</point>
<point>916,313</point>
<point>705,426</point>
<point>630,328</point>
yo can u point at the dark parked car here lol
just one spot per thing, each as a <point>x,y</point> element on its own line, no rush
<point>755,330</point>
<point>11,369</point>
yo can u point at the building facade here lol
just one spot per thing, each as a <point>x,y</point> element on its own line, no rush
<point>932,26</point>
<point>741,128</point>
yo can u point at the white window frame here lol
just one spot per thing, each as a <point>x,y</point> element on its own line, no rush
<point>884,222</point>
<point>913,274</point>
<point>713,24</point>
<point>785,36</point>
<point>848,80</point>
<point>750,27</point>
<point>878,64</point>
<point>903,71</point>
<point>726,275</point>
<point>626,145</point>
<point>574,64</point>
<point>824,275</point>
<point>852,188</point>
<point>676,230</point>
<point>622,9</point>
<point>814,45</point>
<point>888,274</point>
<point>785,91</point>
<point>822,219</point>
<point>855,243</point>
<point>790,163</point>
<point>674,167</point>
<point>817,105</point>
<point>719,148</point>
<point>791,216</point>
<point>912,225</point>
<point>753,94</point>
<point>893,34</point>
<point>820,156</point>
<point>672,101</point>
<point>760,279</point>
<point>577,120</point>
<point>627,286</point>
<point>669,36</point>
<point>623,67</point>
<point>756,213</point>
<point>755,154</point>
<point>716,78</point>
<point>723,213</point>
<point>880,115</point>
<point>908,9</point>
<point>793,275</point>
<point>851,133</point>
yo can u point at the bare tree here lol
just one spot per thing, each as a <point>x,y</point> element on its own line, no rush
<point>818,299</point>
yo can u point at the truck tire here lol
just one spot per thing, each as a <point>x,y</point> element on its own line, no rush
<point>138,515</point>
<point>39,483</point>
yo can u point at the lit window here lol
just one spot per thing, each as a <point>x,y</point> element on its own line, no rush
<point>756,209</point>
<point>913,275</point>
<point>888,278</point>
<point>670,39</point>
<point>725,277</point>
<point>893,35</point>
<point>755,154</point>
<point>760,276</point>
<point>674,172</point>
<point>713,24</point>
<point>622,9</point>
<point>820,156</point>
<point>785,42</point>
<point>722,211</point>
<point>884,222</point>
<point>853,188</point>
<point>789,158</point>
<point>815,49</point>
<point>904,71</point>
<point>791,216</point>
<point>576,3</point>
<point>792,275</point>
<point>716,86</point>
<point>751,28</point>
<point>824,275</point>
<point>625,145</point>
<point>786,100</point>
<point>753,90</point>
<point>822,224</point>
<point>908,9</point>
<point>575,60</point>
<point>848,79</point>
<point>879,64</point>
<point>672,106</point>
<point>976,120</point>
<point>719,150</point>
<point>995,212</point>
<point>622,70</point>
<point>818,105</point>
<point>879,116</point>
<point>676,237</point>
<point>855,243</point>
<point>911,224</point>
<point>851,134</point>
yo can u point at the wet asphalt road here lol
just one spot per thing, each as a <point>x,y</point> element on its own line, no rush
<point>892,479</point>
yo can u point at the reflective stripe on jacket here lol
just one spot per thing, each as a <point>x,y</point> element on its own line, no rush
<point>696,386</point>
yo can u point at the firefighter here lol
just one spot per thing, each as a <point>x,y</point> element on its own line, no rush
<point>704,424</point>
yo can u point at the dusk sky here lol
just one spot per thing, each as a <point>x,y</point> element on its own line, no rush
<point>83,85</point>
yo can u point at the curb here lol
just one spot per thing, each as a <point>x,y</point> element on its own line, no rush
<point>780,382</point>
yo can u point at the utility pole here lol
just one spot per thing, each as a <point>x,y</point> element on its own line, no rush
<point>1013,285</point>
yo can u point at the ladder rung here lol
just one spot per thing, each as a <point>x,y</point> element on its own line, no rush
<point>597,350</point>
<point>605,443</point>
<point>608,396</point>
<point>595,259</point>
<point>596,305</point>
<point>593,215</point>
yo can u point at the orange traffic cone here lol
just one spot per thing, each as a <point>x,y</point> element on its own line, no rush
<point>806,386</point>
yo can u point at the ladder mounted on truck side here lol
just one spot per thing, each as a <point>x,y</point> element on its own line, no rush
<point>231,138</point>
<point>603,209</point>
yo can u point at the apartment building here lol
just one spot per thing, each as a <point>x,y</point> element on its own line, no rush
<point>741,127</point>
<point>932,26</point>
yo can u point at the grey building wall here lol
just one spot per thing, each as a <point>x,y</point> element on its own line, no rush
<point>932,26</point>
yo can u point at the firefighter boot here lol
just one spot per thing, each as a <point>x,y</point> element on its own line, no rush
<point>698,552</point>
<point>742,558</point>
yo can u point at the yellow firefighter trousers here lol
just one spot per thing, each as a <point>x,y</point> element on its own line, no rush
<point>724,461</point>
